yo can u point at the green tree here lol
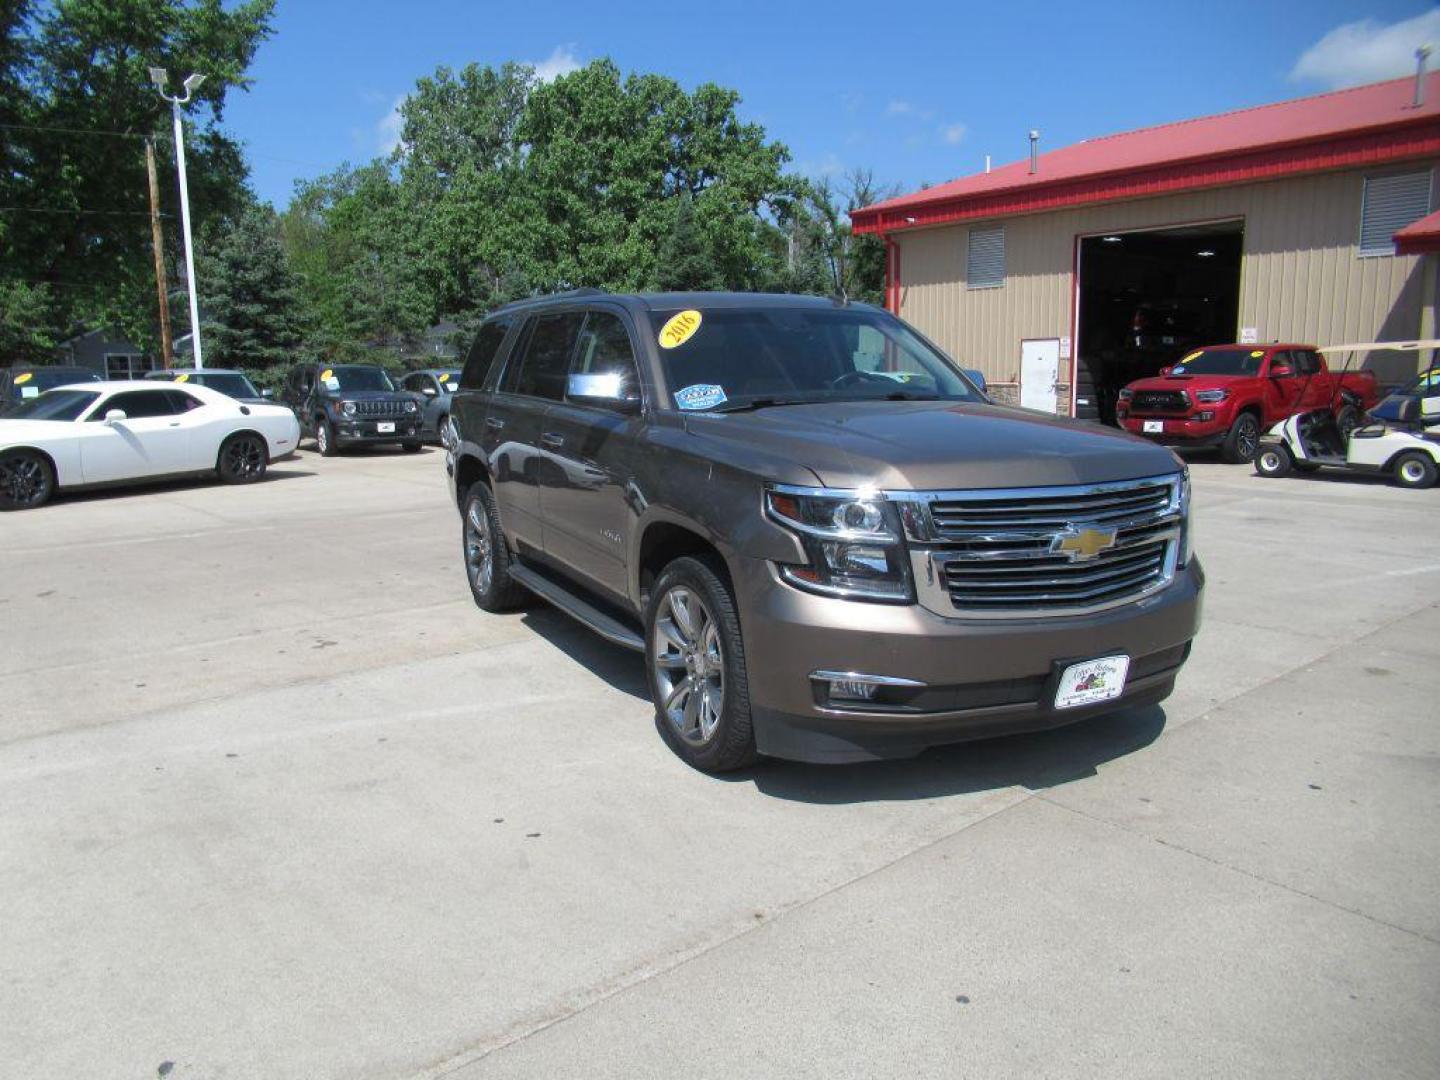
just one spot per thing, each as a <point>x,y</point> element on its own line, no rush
<point>24,322</point>
<point>76,169</point>
<point>250,298</point>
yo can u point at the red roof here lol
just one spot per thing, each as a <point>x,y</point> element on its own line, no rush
<point>1361,126</point>
<point>1420,237</point>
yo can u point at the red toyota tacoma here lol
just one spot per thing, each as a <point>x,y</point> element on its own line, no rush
<point>1226,395</point>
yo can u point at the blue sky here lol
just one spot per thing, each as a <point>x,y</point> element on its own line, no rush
<point>916,92</point>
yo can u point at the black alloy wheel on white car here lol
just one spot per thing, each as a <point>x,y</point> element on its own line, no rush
<point>243,459</point>
<point>26,480</point>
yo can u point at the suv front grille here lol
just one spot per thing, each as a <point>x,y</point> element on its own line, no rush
<point>1170,401</point>
<point>379,408</point>
<point>1047,551</point>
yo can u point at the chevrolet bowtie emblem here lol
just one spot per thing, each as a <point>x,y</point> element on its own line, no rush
<point>1082,544</point>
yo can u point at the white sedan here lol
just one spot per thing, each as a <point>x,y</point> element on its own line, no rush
<point>117,432</point>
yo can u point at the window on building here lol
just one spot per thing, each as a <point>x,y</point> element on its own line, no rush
<point>985,259</point>
<point>1390,203</point>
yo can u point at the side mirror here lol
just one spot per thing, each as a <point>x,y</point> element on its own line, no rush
<point>114,416</point>
<point>267,394</point>
<point>1281,371</point>
<point>976,376</point>
<point>429,391</point>
<point>608,390</point>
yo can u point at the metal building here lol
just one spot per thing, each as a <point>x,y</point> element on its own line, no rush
<point>1066,275</point>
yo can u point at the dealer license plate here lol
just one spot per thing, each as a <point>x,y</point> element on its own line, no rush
<point>1092,681</point>
<point>385,427</point>
<point>1153,427</point>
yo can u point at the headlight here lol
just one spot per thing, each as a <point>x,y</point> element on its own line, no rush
<point>1187,521</point>
<point>852,540</point>
<point>346,407</point>
<point>1210,397</point>
<point>1126,394</point>
<point>410,406</point>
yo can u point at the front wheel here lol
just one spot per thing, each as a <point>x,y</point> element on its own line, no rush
<point>695,663</point>
<point>325,438</point>
<point>1415,470</point>
<point>487,560</point>
<point>1273,461</point>
<point>26,480</point>
<point>242,460</point>
<point>1243,440</point>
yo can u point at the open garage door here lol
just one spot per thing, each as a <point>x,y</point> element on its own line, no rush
<point>1146,299</point>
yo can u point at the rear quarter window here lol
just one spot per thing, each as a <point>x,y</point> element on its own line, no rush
<point>484,355</point>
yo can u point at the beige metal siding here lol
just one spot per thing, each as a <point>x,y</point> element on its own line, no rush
<point>1301,277</point>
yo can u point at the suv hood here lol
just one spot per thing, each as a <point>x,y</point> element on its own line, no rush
<point>935,445</point>
<point>1186,382</point>
<point>371,395</point>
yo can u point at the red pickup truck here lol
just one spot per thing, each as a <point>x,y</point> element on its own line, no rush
<point>1226,395</point>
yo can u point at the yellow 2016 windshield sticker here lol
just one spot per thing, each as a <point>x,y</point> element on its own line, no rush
<point>679,328</point>
<point>1192,356</point>
<point>182,377</point>
<point>23,378</point>
<point>1258,353</point>
<point>327,375</point>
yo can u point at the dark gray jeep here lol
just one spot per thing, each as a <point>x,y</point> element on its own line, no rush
<point>827,542</point>
<point>340,405</point>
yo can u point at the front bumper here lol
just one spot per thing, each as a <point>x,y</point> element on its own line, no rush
<point>982,677</point>
<point>1179,430</point>
<point>354,432</point>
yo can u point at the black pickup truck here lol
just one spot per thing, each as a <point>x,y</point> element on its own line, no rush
<point>340,405</point>
<point>827,542</point>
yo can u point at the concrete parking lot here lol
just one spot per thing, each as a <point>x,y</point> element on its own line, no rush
<point>277,800</point>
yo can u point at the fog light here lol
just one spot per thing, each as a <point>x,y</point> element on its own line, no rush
<point>852,690</point>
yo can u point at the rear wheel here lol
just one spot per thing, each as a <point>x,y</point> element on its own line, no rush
<point>242,460</point>
<point>1415,470</point>
<point>695,663</point>
<point>1347,420</point>
<point>487,560</point>
<point>26,480</point>
<point>1273,461</point>
<point>1243,441</point>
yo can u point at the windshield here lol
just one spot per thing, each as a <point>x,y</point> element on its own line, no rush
<point>731,358</point>
<point>54,405</point>
<point>1221,362</point>
<point>356,378</point>
<point>31,384</point>
<point>1427,385</point>
<point>235,385</point>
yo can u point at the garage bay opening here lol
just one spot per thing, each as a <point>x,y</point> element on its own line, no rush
<point>1146,299</point>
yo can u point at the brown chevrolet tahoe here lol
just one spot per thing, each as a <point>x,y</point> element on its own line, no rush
<point>827,542</point>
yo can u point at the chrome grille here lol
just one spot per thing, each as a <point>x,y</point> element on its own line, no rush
<point>1001,554</point>
<point>1160,401</point>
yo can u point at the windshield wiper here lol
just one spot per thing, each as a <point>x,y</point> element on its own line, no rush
<point>747,404</point>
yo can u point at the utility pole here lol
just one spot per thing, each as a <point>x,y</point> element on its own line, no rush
<point>158,77</point>
<point>157,241</point>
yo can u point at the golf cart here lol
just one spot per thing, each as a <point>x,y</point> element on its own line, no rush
<point>1400,436</point>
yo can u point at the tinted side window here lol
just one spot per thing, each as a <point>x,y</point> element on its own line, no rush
<point>483,353</point>
<point>138,404</point>
<point>605,347</point>
<point>547,356</point>
<point>182,402</point>
<point>1306,362</point>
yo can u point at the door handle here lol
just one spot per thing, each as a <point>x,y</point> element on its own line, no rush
<point>174,423</point>
<point>494,422</point>
<point>552,440</point>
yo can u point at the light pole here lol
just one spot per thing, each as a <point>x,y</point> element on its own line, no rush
<point>159,78</point>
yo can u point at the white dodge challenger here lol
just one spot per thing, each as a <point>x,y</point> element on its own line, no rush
<point>119,432</point>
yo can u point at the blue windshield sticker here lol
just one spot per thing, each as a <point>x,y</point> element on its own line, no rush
<point>700,396</point>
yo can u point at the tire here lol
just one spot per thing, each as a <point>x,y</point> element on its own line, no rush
<point>1243,440</point>
<point>325,438</point>
<point>411,447</point>
<point>442,429</point>
<point>1273,461</point>
<point>481,538</point>
<point>27,480</point>
<point>243,459</point>
<point>693,656</point>
<point>1415,470</point>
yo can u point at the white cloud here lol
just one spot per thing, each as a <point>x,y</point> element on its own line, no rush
<point>1367,51</point>
<point>560,62</point>
<point>951,134</point>
<point>389,126</point>
<point>899,108</point>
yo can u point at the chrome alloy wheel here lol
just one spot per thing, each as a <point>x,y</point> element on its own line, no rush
<point>1412,471</point>
<point>1248,438</point>
<point>689,665</point>
<point>479,548</point>
<point>322,437</point>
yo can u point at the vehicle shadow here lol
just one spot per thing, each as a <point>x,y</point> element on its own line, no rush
<point>1035,761</point>
<point>140,489</point>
